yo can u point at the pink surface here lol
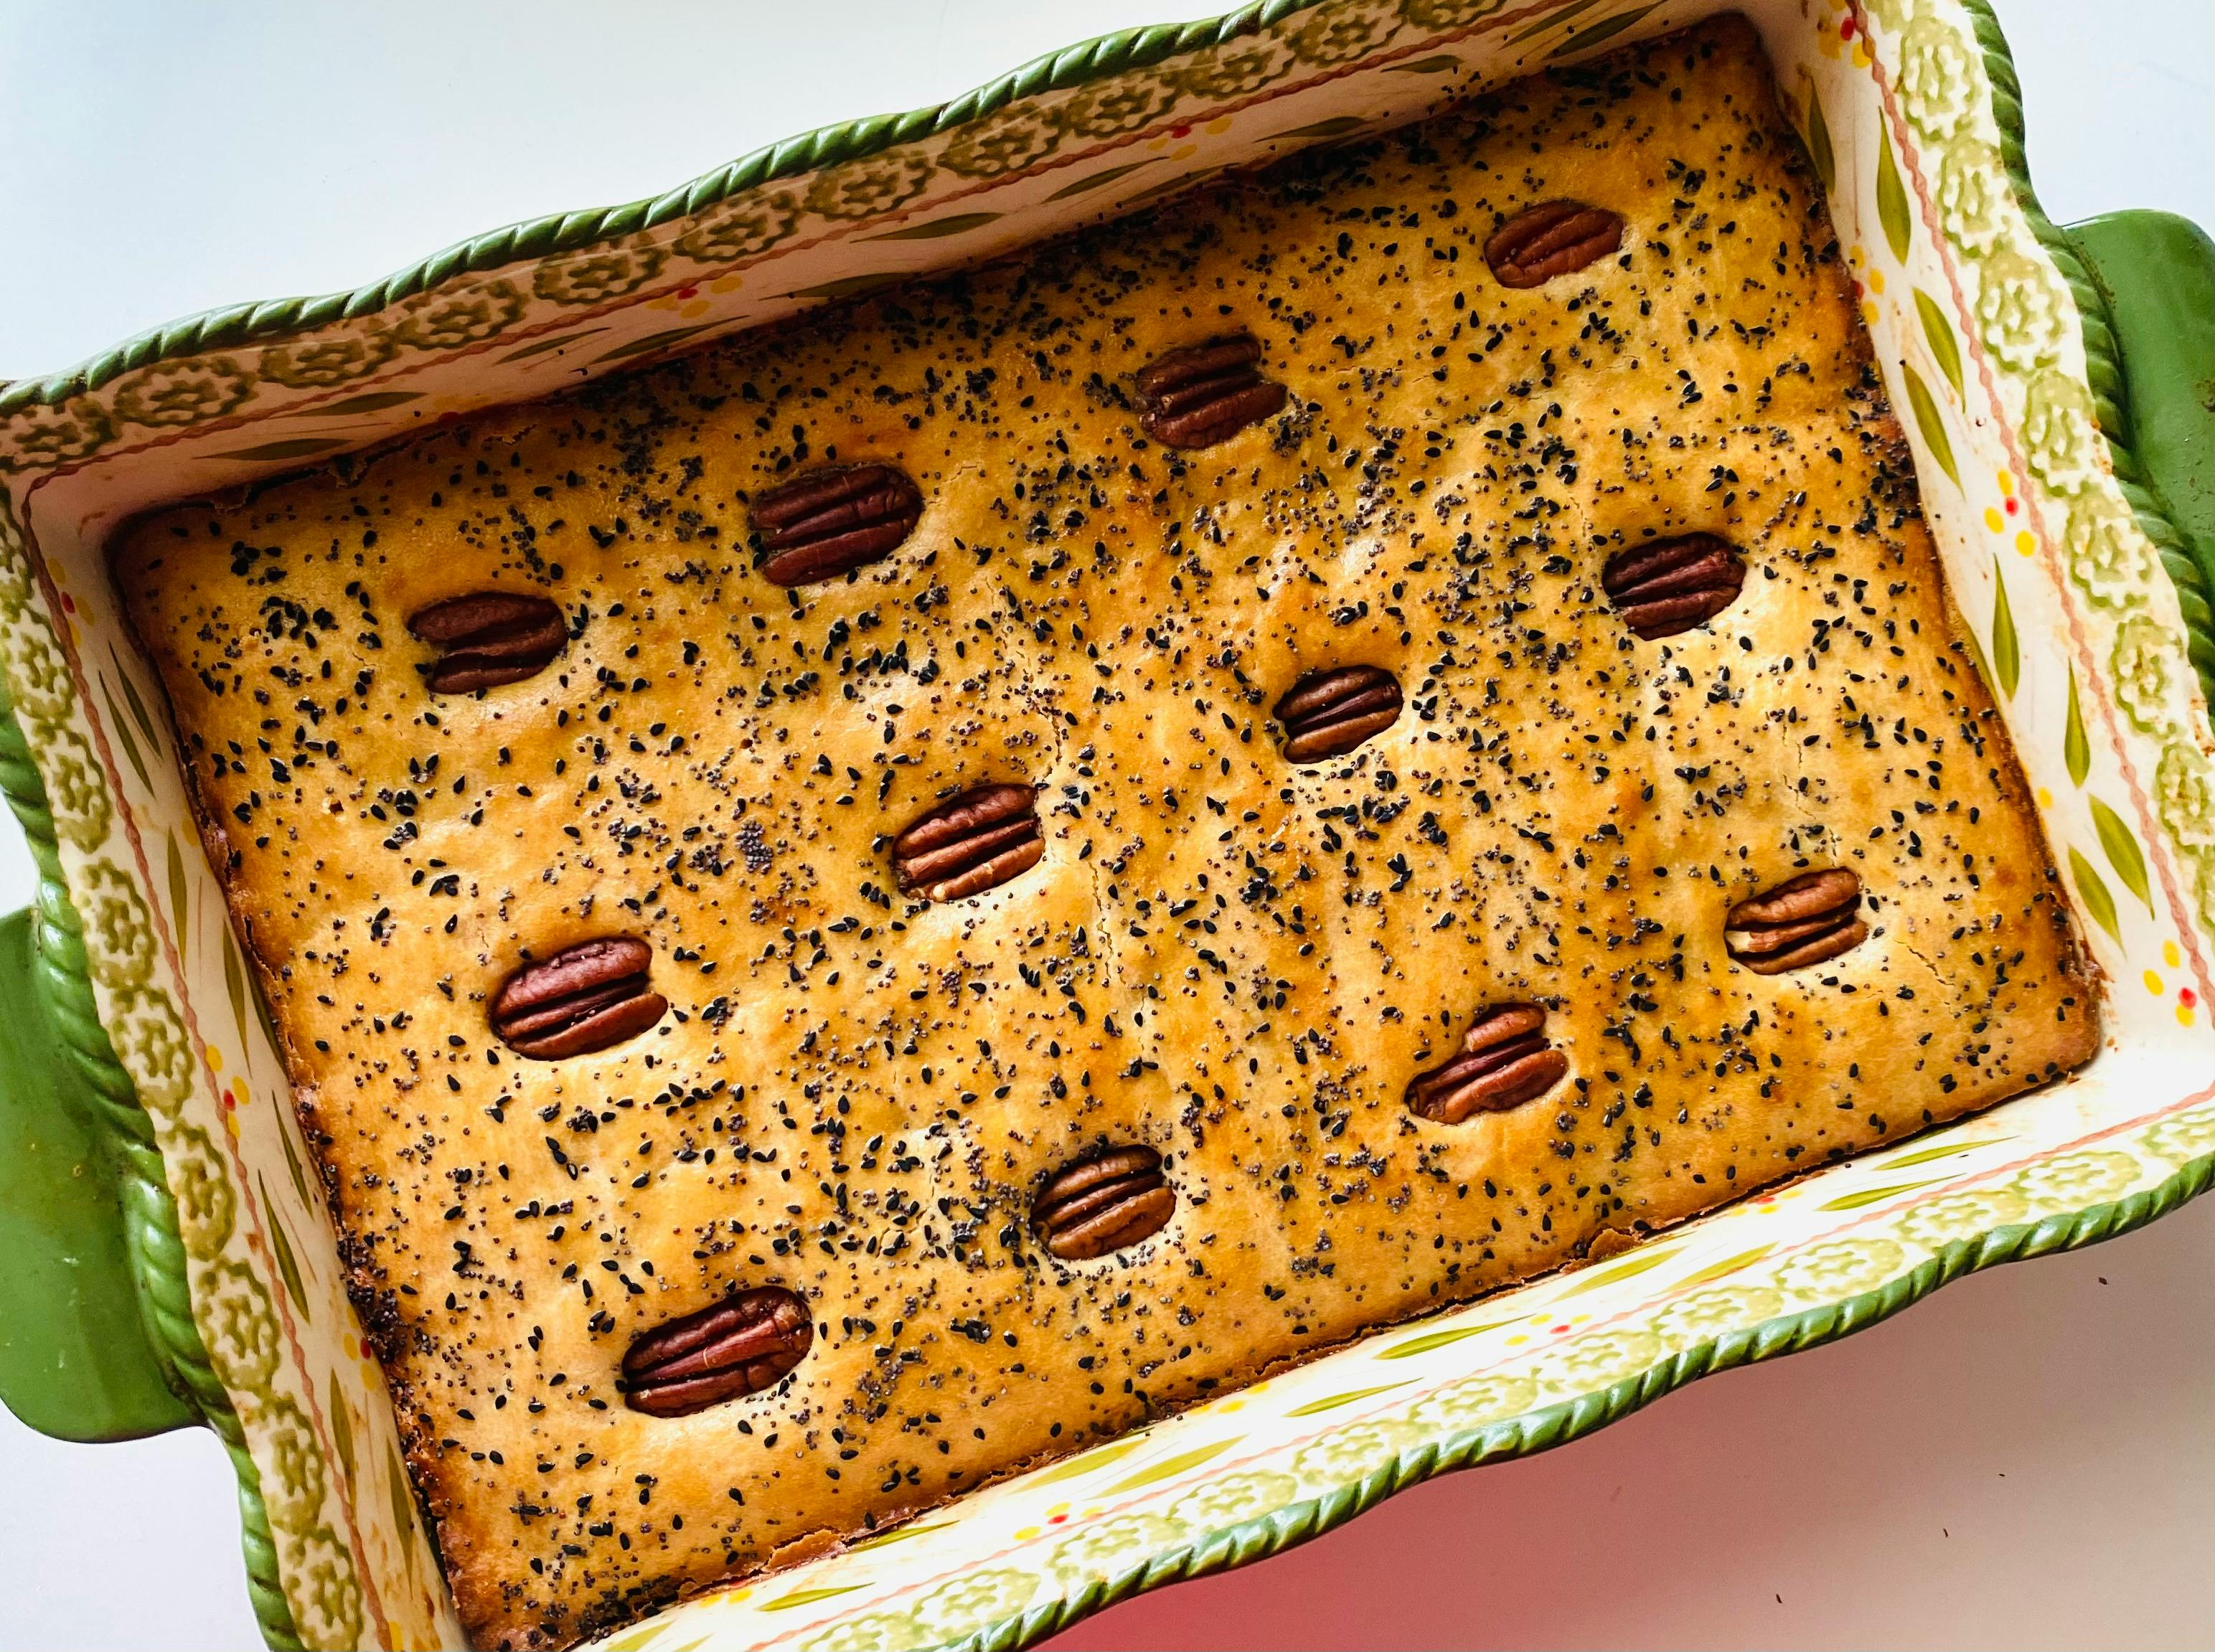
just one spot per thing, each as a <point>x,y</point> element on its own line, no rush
<point>1960,1476</point>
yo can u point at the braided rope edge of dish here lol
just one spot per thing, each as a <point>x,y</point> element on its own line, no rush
<point>1558,1424</point>
<point>2103,369</point>
<point>152,1242</point>
<point>239,324</point>
<point>1062,70</point>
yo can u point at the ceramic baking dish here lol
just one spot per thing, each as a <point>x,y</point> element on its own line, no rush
<point>164,1255</point>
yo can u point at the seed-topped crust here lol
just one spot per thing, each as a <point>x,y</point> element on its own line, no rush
<point>1253,965</point>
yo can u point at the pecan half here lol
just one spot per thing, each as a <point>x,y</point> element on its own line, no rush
<point>741,1345</point>
<point>1504,1061</point>
<point>1102,1202</point>
<point>1669,585</point>
<point>970,843</point>
<point>487,638</point>
<point>1195,398</point>
<point>588,997</point>
<point>832,522</point>
<point>1328,713</point>
<point>1551,239</point>
<point>1809,919</point>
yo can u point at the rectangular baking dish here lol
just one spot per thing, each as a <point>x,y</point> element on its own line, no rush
<point>164,1255</point>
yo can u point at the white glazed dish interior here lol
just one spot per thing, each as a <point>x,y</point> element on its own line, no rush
<point>1982,353</point>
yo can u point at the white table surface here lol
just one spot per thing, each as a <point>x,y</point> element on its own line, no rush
<point>2027,1459</point>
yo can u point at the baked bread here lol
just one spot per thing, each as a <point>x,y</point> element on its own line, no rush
<point>896,896</point>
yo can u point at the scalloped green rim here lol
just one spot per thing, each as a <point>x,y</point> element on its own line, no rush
<point>237,324</point>
<point>105,1099</point>
<point>1560,1423</point>
<point>2193,575</point>
<point>153,1246</point>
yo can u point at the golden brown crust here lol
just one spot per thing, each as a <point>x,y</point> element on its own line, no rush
<point>1238,962</point>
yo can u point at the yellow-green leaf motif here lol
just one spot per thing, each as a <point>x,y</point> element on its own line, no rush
<point>268,1021</point>
<point>1601,30</point>
<point>1167,186</point>
<point>1631,1269</point>
<point>1100,1457</point>
<point>2075,750</point>
<point>138,712</point>
<point>2097,900</point>
<point>1932,1155</point>
<point>1869,1195</point>
<point>123,732</point>
<point>543,345</point>
<point>1316,1407</point>
<point>1337,127</point>
<point>2123,852</point>
<point>846,286</point>
<point>1154,1472</point>
<point>371,401</point>
<point>2007,647</point>
<point>1819,142</point>
<point>652,341</point>
<point>1927,420</point>
<point>1727,1266</point>
<point>1976,653</point>
<point>341,1429</point>
<point>898,1534</point>
<point>1097,181</point>
<point>403,1502</point>
<point>952,225</point>
<point>1552,21</point>
<point>1938,334</point>
<point>292,1164</point>
<point>287,1263</point>
<point>299,447</point>
<point>179,888</point>
<point>1430,1339</point>
<point>233,982</point>
<point>808,1597</point>
<point>1891,199</point>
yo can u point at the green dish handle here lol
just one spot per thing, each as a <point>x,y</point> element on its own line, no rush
<point>75,1361</point>
<point>2155,274</point>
